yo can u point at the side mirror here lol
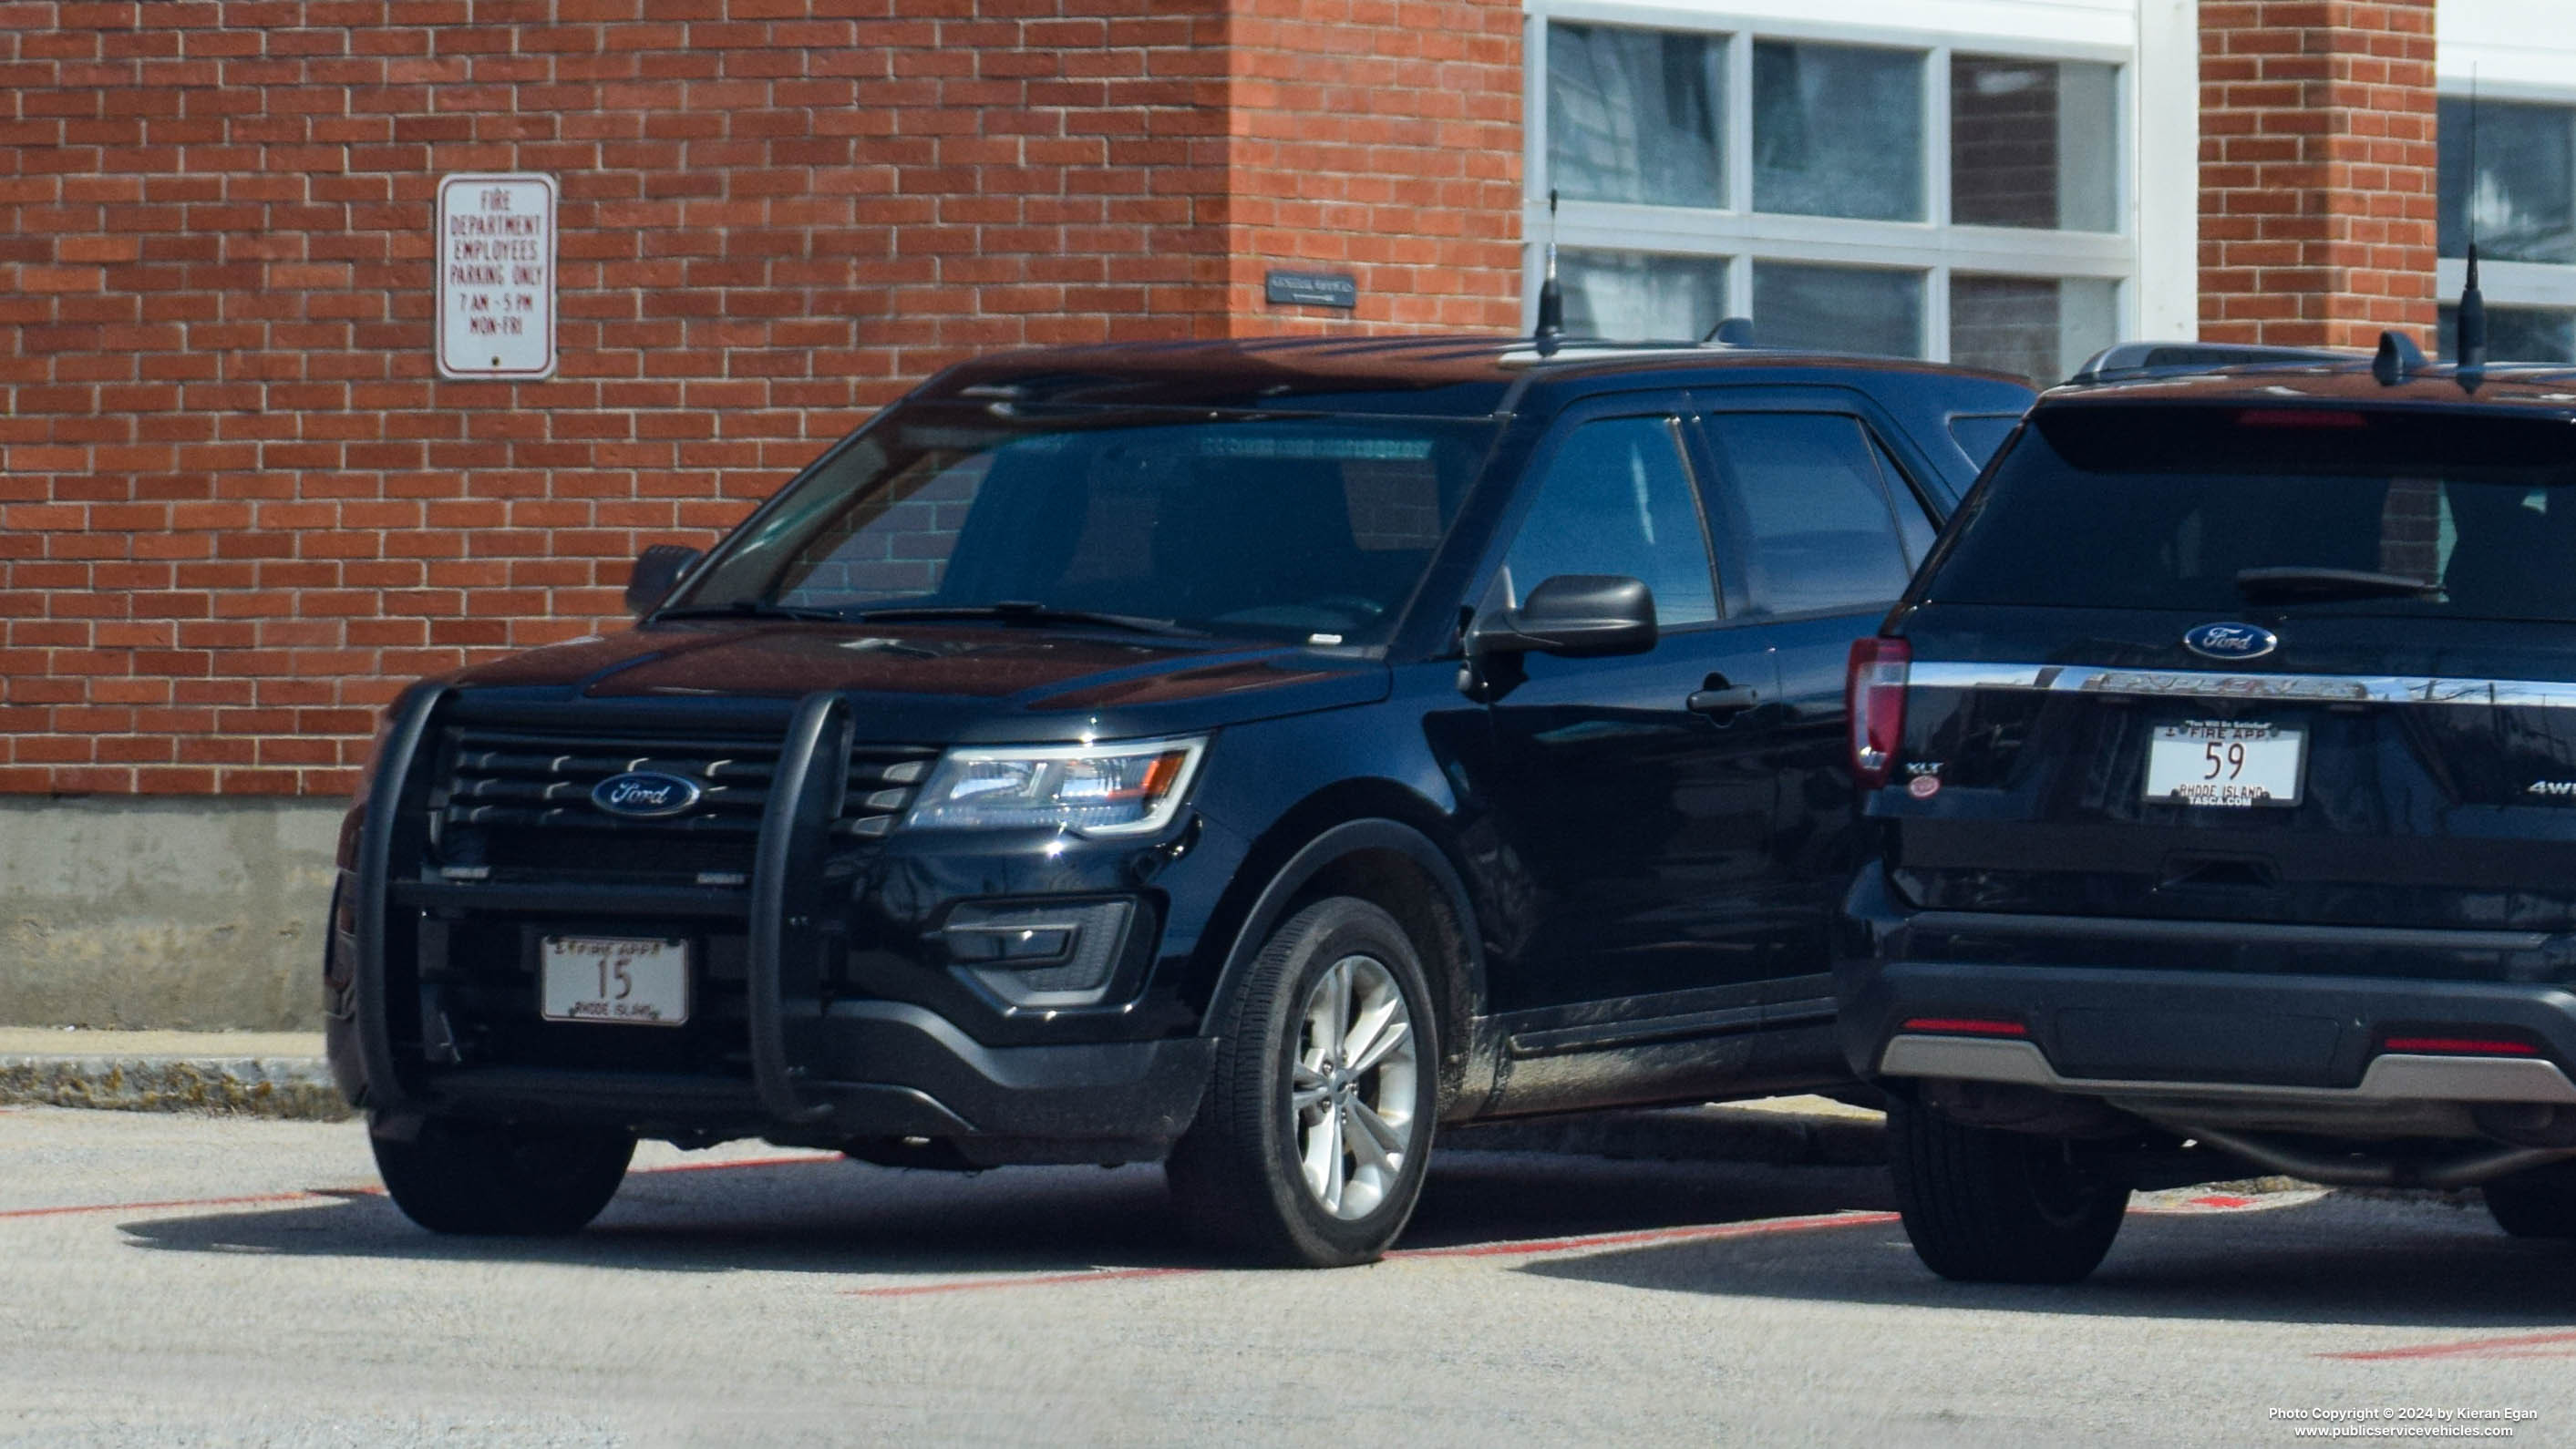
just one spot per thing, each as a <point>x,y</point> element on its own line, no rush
<point>1580,616</point>
<point>656,569</point>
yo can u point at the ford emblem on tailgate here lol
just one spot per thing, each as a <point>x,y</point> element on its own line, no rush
<point>645,794</point>
<point>2231,641</point>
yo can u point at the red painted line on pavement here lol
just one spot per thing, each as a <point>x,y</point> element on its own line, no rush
<point>138,1207</point>
<point>1104,1275</point>
<point>738,1162</point>
<point>2471,1348</point>
<point>1519,1248</point>
<point>333,1194</point>
<point>1534,1247</point>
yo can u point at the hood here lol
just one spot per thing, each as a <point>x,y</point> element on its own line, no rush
<point>943,682</point>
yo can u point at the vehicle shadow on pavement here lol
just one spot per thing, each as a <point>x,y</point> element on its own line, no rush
<point>832,1216</point>
<point>2336,1260</point>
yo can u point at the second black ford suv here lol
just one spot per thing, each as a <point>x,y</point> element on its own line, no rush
<point>2221,764</point>
<point>1242,754</point>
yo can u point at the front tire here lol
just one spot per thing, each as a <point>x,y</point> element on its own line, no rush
<point>1987,1206</point>
<point>491,1180</point>
<point>1310,1147</point>
<point>2540,1203</point>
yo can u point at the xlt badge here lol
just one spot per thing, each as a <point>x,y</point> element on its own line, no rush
<point>2231,641</point>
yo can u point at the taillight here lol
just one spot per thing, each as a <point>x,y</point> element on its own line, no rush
<point>1874,694</point>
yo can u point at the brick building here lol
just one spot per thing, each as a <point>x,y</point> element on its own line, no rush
<point>239,504</point>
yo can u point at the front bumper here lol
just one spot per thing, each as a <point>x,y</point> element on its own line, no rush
<point>2305,1044</point>
<point>884,1071</point>
<point>786,1039</point>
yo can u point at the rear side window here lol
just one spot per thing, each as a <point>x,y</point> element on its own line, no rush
<point>1809,511</point>
<point>1616,499</point>
<point>2220,509</point>
<point>1979,435</point>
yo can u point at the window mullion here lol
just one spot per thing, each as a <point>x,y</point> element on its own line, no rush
<point>1739,122</point>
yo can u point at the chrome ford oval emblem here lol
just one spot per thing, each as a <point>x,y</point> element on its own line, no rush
<point>645,794</point>
<point>2231,641</point>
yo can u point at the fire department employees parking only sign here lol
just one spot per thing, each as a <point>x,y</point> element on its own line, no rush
<point>496,275</point>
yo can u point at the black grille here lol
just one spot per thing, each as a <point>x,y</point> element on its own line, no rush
<point>517,805</point>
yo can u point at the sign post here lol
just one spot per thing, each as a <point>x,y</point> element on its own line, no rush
<point>496,275</point>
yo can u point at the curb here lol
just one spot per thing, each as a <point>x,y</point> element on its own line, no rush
<point>291,1088</point>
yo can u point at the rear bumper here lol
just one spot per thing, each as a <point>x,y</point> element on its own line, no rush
<point>2140,1032</point>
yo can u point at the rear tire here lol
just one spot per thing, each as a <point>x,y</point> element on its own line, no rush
<point>490,1180</point>
<point>1310,1146</point>
<point>2540,1203</point>
<point>1987,1206</point>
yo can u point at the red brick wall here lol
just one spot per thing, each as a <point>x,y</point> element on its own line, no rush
<point>2317,170</point>
<point>1380,138</point>
<point>238,509</point>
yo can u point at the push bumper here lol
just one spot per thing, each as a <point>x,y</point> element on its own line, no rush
<point>809,1067</point>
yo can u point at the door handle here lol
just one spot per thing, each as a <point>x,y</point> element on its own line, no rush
<point>1722,701</point>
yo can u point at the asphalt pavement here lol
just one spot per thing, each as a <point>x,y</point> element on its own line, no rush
<point>177,1279</point>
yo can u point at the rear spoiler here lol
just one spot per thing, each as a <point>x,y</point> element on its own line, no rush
<point>2155,359</point>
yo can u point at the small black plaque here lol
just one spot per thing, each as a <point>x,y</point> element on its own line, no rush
<point>1313,289</point>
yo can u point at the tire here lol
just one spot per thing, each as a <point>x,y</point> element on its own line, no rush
<point>488,1180</point>
<point>1298,1156</point>
<point>2540,1203</point>
<point>1987,1206</point>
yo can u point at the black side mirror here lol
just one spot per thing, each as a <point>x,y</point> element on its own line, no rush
<point>656,569</point>
<point>1580,616</point>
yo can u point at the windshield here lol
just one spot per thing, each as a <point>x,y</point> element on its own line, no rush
<point>2298,509</point>
<point>1310,528</point>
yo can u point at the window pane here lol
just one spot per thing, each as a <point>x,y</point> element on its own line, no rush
<point>2525,176</point>
<point>1634,296</point>
<point>1809,511</point>
<point>2041,328</point>
<point>1913,521</point>
<point>1616,500</point>
<point>1838,309</point>
<point>1980,435</point>
<point>1634,115</point>
<point>1837,131</point>
<point>2516,334</point>
<point>2033,143</point>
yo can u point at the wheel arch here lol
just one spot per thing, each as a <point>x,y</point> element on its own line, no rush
<point>1359,843</point>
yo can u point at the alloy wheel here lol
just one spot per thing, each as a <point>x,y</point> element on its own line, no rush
<point>1352,1089</point>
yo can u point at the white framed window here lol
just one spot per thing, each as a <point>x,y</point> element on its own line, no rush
<point>1939,197</point>
<point>2519,199</point>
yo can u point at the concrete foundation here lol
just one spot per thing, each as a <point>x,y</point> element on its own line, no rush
<point>190,913</point>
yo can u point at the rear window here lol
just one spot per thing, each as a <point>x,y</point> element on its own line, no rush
<point>2295,507</point>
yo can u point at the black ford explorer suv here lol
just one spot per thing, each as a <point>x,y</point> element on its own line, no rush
<point>1244,754</point>
<point>2221,768</point>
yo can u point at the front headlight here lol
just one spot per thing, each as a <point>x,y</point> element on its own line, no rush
<point>1121,789</point>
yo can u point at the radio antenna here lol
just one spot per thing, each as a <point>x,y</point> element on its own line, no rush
<point>1551,298</point>
<point>2471,349</point>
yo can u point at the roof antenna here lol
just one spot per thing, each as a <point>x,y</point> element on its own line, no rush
<point>2472,347</point>
<point>1551,298</point>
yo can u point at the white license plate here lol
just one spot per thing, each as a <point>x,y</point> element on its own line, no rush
<point>2226,762</point>
<point>623,980</point>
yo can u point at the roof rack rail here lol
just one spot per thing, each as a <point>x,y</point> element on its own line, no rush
<point>2153,359</point>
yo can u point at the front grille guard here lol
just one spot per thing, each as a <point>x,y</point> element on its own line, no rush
<point>786,900</point>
